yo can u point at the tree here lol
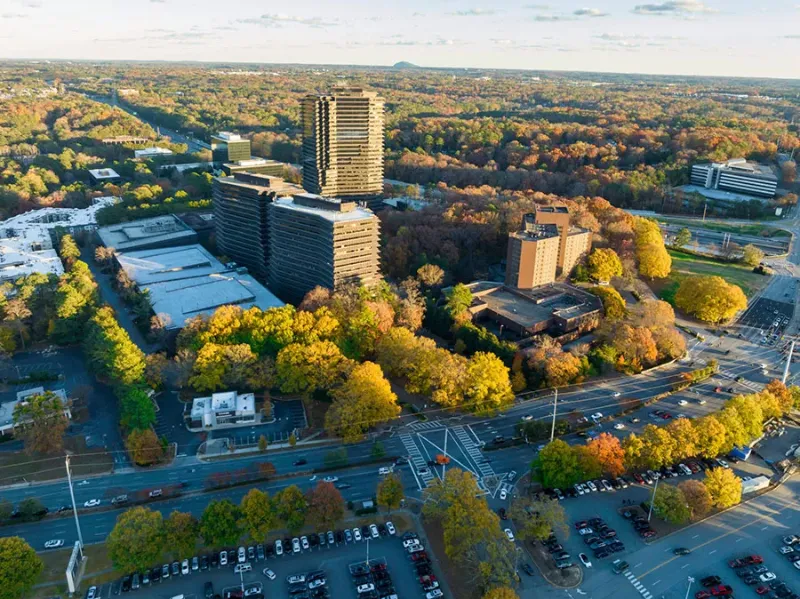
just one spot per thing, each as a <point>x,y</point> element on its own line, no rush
<point>607,451</point>
<point>536,519</point>
<point>500,593</point>
<point>782,394</point>
<point>40,421</point>
<point>258,515</point>
<point>20,568</point>
<point>307,368</point>
<point>654,260</point>
<point>558,465</point>
<point>724,487</point>
<point>459,299</point>
<point>658,447</point>
<point>137,411</point>
<point>6,509</point>
<point>219,524</point>
<point>488,386</point>
<point>144,447</point>
<point>752,255</point>
<point>683,237</point>
<point>430,275</point>
<point>155,367</point>
<point>670,504</point>
<point>636,344</point>
<point>31,509</point>
<point>378,450</point>
<point>69,251</point>
<point>291,507</point>
<point>181,530</point>
<point>16,313</point>
<point>325,506</point>
<point>292,440</point>
<point>137,540</point>
<point>262,443</point>
<point>603,264</point>
<point>710,298</point>
<point>698,499</point>
<point>710,437</point>
<point>633,446</point>
<point>685,435</point>
<point>390,493</point>
<point>614,306</point>
<point>364,400</point>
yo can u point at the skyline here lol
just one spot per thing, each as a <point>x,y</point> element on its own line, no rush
<point>672,37</point>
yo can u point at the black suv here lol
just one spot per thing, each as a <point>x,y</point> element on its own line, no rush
<point>710,581</point>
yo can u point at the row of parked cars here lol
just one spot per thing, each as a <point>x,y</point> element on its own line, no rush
<point>308,585</point>
<point>753,572</point>
<point>640,524</point>
<point>791,549</point>
<point>372,580</point>
<point>422,566</point>
<point>600,538</point>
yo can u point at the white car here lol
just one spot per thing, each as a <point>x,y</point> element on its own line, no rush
<point>256,589</point>
<point>52,544</point>
<point>784,550</point>
<point>682,402</point>
<point>356,534</point>
<point>331,479</point>
<point>410,543</point>
<point>509,534</point>
<point>578,489</point>
<point>585,560</point>
<point>374,530</point>
<point>278,549</point>
<point>223,558</point>
<point>185,567</point>
<point>304,542</point>
<point>503,494</point>
<point>606,485</point>
<point>617,393</point>
<point>591,486</point>
<point>296,579</point>
<point>241,568</point>
<point>585,531</point>
<point>269,573</point>
<point>527,417</point>
<point>434,594</point>
<point>384,471</point>
<point>92,503</point>
<point>619,426</point>
<point>241,555</point>
<point>92,593</point>
<point>365,588</point>
<point>390,528</point>
<point>316,583</point>
<point>295,545</point>
<point>597,417</point>
<point>767,577</point>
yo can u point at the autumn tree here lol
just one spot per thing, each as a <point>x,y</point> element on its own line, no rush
<point>710,298</point>
<point>258,515</point>
<point>658,447</point>
<point>181,530</point>
<point>430,275</point>
<point>752,255</point>
<point>500,593</point>
<point>614,307</point>
<point>390,493</point>
<point>20,568</point>
<point>307,368</point>
<point>670,504</point>
<point>488,387</point>
<point>41,422</point>
<point>633,447</point>
<point>607,451</point>
<point>603,264</point>
<point>710,436</point>
<point>685,435</point>
<point>137,540</point>
<point>636,344</point>
<point>156,365</point>
<point>683,237</point>
<point>698,499</point>
<point>558,465</point>
<point>291,507</point>
<point>459,299</point>
<point>654,260</point>
<point>144,447</point>
<point>537,519</point>
<point>325,506</point>
<point>724,487</point>
<point>363,401</point>
<point>219,524</point>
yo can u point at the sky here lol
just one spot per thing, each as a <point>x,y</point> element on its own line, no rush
<point>692,37</point>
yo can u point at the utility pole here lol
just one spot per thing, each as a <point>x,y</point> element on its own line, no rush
<point>690,580</point>
<point>788,363</point>
<point>705,206</point>
<point>74,507</point>
<point>653,498</point>
<point>555,408</point>
<point>444,465</point>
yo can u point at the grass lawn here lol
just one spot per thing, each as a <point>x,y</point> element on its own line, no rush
<point>684,265</point>
<point>86,461</point>
<point>753,229</point>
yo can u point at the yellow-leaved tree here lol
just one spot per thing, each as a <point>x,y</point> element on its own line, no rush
<point>710,298</point>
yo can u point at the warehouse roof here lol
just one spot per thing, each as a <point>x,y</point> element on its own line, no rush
<point>148,231</point>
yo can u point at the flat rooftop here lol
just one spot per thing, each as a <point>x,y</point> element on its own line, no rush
<point>534,232</point>
<point>745,166</point>
<point>553,209</point>
<point>719,194</point>
<point>332,214</point>
<point>262,183</point>
<point>103,173</point>
<point>227,136</point>
<point>160,229</point>
<point>148,152</point>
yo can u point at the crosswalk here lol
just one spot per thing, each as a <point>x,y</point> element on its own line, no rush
<point>417,459</point>
<point>638,585</point>
<point>471,448</point>
<point>744,382</point>
<point>428,425</point>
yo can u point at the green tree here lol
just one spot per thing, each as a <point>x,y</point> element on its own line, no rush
<point>698,499</point>
<point>336,458</point>
<point>6,509</point>
<point>69,250</point>
<point>488,386</point>
<point>30,508</point>
<point>20,568</point>
<point>710,298</point>
<point>724,487</point>
<point>378,450</point>
<point>219,524</point>
<point>390,493</point>
<point>604,264</point>
<point>558,465</point>
<point>40,421</point>
<point>683,237</point>
<point>291,507</point>
<point>459,299</point>
<point>752,255</point>
<point>670,504</point>
<point>137,540</point>
<point>258,515</point>
<point>181,530</point>
<point>325,506</point>
<point>137,411</point>
<point>536,519</point>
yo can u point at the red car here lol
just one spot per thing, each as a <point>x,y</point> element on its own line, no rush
<point>427,579</point>
<point>419,556</point>
<point>638,478</point>
<point>666,416</point>
<point>762,590</point>
<point>722,589</point>
<point>702,595</point>
<point>754,559</point>
<point>647,534</point>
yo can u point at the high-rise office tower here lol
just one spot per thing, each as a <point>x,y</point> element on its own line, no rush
<point>343,144</point>
<point>320,241</point>
<point>241,217</point>
<point>532,255</point>
<point>574,241</point>
<point>229,147</point>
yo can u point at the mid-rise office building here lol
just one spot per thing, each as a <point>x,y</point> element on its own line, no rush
<point>574,242</point>
<point>532,255</point>
<point>229,147</point>
<point>260,166</point>
<point>241,217</point>
<point>343,144</point>
<point>317,241</point>
<point>738,176</point>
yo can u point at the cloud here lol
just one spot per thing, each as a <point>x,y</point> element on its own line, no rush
<point>31,4</point>
<point>538,6</point>
<point>553,18</point>
<point>279,20</point>
<point>475,12</point>
<point>13,15</point>
<point>158,1</point>
<point>673,8</point>
<point>590,12</point>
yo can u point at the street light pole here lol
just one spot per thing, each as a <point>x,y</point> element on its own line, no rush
<point>788,363</point>
<point>74,507</point>
<point>555,408</point>
<point>653,498</point>
<point>689,587</point>
<point>444,461</point>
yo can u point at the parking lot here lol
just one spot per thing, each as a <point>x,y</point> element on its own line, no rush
<point>334,561</point>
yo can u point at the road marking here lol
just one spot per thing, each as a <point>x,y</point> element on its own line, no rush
<point>637,565</point>
<point>765,528</point>
<point>684,566</point>
<point>695,536</point>
<point>712,552</point>
<point>656,582</point>
<point>740,539</point>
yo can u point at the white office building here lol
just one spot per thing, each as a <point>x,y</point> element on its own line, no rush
<point>736,175</point>
<point>228,408</point>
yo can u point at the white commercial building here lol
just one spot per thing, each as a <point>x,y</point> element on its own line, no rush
<point>736,175</point>
<point>152,152</point>
<point>7,409</point>
<point>26,244</point>
<point>104,175</point>
<point>223,408</point>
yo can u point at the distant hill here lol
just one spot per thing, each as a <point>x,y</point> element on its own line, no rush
<point>404,65</point>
